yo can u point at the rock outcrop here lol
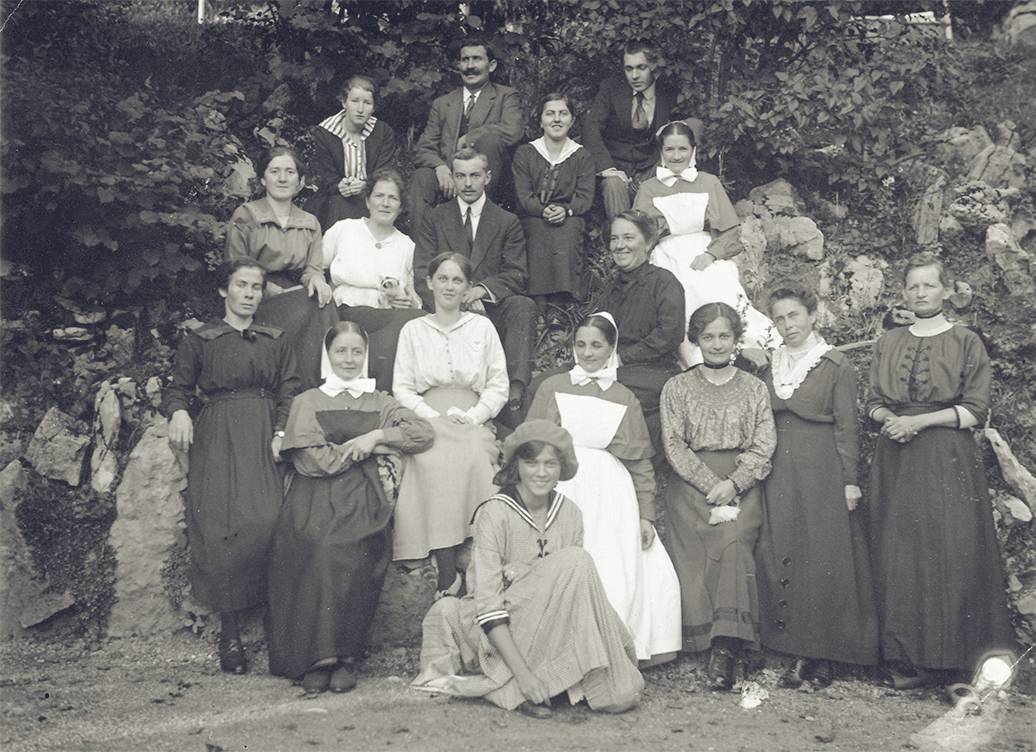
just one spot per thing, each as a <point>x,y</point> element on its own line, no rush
<point>57,449</point>
<point>1013,262</point>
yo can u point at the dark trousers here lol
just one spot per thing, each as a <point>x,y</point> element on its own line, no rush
<point>515,320</point>
<point>383,326</point>
<point>618,195</point>
<point>424,188</point>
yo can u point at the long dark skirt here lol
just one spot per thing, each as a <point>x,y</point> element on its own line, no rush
<point>554,256</point>
<point>383,326</point>
<point>714,562</point>
<point>939,579</point>
<point>234,494</point>
<point>815,588</point>
<point>330,555</point>
<point>304,323</point>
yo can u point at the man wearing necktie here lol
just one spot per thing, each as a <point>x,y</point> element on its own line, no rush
<point>492,238</point>
<point>620,129</point>
<point>480,114</point>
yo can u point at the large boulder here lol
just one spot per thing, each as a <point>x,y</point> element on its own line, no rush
<point>1013,262</point>
<point>928,211</point>
<point>977,205</point>
<point>779,197</point>
<point>958,147</point>
<point>798,236</point>
<point>1000,167</point>
<point>57,449</point>
<point>144,534</point>
<point>751,262</point>
<point>107,421</point>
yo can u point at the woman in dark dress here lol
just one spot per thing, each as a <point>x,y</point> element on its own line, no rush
<point>815,591</point>
<point>332,547</point>
<point>245,373</point>
<point>286,242</point>
<point>349,146</point>
<point>939,578</point>
<point>554,183</point>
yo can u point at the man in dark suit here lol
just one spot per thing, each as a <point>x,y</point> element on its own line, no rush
<point>620,129</point>
<point>492,238</point>
<point>480,114</point>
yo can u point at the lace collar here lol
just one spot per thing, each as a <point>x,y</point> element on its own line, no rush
<point>789,372</point>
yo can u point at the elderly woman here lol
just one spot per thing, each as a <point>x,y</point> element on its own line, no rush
<point>719,435</point>
<point>450,369</point>
<point>332,546</point>
<point>285,241</point>
<point>700,236</point>
<point>938,575</point>
<point>349,146</point>
<point>554,183</point>
<point>815,589</point>
<point>537,623</point>
<point>245,374</point>
<point>371,264</point>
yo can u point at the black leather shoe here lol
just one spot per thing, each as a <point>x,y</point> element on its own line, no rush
<point>822,674</point>
<point>343,678</point>
<point>539,712</point>
<point>795,674</point>
<point>316,681</point>
<point>721,669</point>
<point>232,657</point>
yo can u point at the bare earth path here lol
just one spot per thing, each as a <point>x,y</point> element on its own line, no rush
<point>169,695</point>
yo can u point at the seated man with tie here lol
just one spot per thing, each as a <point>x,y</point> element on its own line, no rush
<point>492,238</point>
<point>620,130</point>
<point>480,115</point>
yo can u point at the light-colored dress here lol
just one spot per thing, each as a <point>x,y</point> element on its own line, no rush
<point>545,587</point>
<point>614,451</point>
<point>359,263</point>
<point>460,368</point>
<point>688,208</point>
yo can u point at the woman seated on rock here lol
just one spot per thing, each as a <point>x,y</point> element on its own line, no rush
<point>554,181</point>
<point>348,147</point>
<point>615,488</point>
<point>537,622</point>
<point>719,436</point>
<point>700,229</point>
<point>245,374</point>
<point>331,547</point>
<point>285,241</point>
<point>372,272</point>
<point>450,370</point>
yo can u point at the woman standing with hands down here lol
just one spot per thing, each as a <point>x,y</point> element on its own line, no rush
<point>450,370</point>
<point>938,573</point>
<point>245,374</point>
<point>815,589</point>
<point>719,435</point>
<point>285,241</point>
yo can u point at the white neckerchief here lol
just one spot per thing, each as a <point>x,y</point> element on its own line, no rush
<point>334,384</point>
<point>605,376</point>
<point>789,372</point>
<point>931,327</point>
<point>569,148</point>
<point>668,178</point>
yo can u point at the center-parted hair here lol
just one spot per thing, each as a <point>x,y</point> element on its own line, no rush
<point>676,128</point>
<point>282,151</point>
<point>229,268</point>
<point>601,324</point>
<point>789,289</point>
<point>345,327</point>
<point>458,258</point>
<point>706,314</point>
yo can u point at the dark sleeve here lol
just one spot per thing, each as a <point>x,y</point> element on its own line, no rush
<point>404,430</point>
<point>289,382</point>
<point>524,190</point>
<point>387,152</point>
<point>753,462</point>
<point>874,397</point>
<point>510,279</point>
<point>426,153</point>
<point>847,439</point>
<point>977,379</point>
<point>669,327</point>
<point>424,251</point>
<point>544,406</point>
<point>509,128</point>
<point>323,165</point>
<point>586,183</point>
<point>186,369</point>
<point>594,127</point>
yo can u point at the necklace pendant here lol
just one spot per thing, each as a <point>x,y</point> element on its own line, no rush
<point>378,245</point>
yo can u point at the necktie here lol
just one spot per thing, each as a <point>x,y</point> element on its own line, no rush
<point>469,230</point>
<point>640,120</point>
<point>468,107</point>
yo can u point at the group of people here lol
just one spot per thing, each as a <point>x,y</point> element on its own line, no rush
<point>349,352</point>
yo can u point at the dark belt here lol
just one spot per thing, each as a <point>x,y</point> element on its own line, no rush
<point>231,394</point>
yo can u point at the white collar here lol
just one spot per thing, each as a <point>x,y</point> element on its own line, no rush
<point>605,376</point>
<point>931,327</point>
<point>336,125</point>
<point>649,92</point>
<point>334,385</point>
<point>668,178</point>
<point>430,320</point>
<point>569,148</point>
<point>476,207</point>
<point>788,373</point>
<point>472,94</point>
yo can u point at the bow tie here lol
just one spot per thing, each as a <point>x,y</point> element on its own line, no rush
<point>248,334</point>
<point>333,386</point>
<point>668,178</point>
<point>604,377</point>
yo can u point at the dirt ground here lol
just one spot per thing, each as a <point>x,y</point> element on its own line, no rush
<point>170,695</point>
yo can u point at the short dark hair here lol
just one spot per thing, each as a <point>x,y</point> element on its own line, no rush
<point>229,268</point>
<point>471,40</point>
<point>706,314</point>
<point>282,151</point>
<point>358,81</point>
<point>345,327</point>
<point>530,450</point>
<point>633,46</point>
<point>923,259</point>
<point>791,289</point>
<point>550,96</point>
<point>601,324</point>
<point>644,223</point>
<point>458,258</point>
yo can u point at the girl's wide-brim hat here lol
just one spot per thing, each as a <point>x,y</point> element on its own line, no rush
<point>549,433</point>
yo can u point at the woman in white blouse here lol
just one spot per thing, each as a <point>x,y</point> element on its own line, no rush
<point>371,264</point>
<point>449,369</point>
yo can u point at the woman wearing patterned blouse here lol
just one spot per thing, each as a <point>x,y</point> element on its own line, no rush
<point>938,573</point>
<point>450,370</point>
<point>718,433</point>
<point>537,622</point>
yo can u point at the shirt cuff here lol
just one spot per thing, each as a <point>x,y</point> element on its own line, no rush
<point>965,418</point>
<point>491,619</point>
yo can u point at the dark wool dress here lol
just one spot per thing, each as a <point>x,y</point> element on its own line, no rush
<point>555,252</point>
<point>234,488</point>
<point>938,572</point>
<point>815,591</point>
<point>332,544</point>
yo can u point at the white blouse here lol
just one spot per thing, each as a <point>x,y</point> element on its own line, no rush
<point>359,263</point>
<point>467,354</point>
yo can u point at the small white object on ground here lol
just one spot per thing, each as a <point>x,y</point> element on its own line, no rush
<point>752,695</point>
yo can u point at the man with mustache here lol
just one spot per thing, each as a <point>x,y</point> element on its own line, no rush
<point>480,114</point>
